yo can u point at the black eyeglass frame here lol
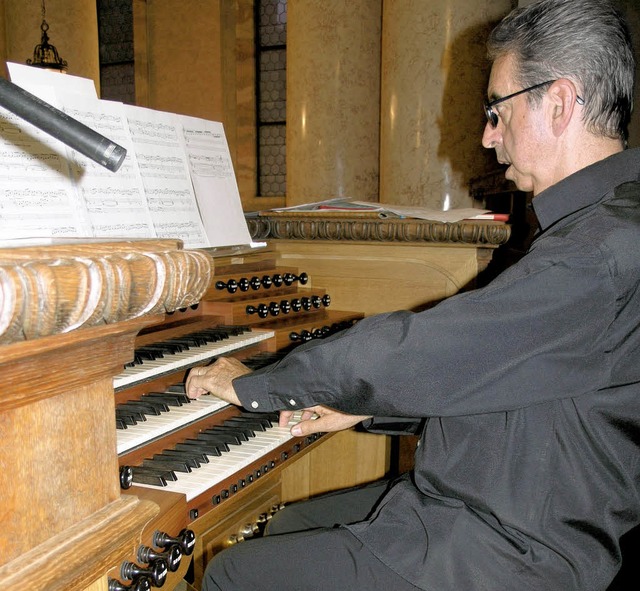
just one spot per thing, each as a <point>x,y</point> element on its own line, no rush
<point>493,117</point>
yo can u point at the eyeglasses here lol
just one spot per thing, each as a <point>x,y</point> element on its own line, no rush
<point>492,116</point>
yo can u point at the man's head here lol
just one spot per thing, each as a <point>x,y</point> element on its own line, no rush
<point>578,56</point>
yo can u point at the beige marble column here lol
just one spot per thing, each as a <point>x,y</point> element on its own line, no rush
<point>73,30</point>
<point>631,10</point>
<point>333,87</point>
<point>434,78</point>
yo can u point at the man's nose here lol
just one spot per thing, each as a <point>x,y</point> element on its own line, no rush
<point>491,136</point>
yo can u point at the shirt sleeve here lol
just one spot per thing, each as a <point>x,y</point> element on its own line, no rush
<point>538,332</point>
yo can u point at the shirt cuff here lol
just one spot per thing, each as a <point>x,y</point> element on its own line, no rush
<point>393,425</point>
<point>253,392</point>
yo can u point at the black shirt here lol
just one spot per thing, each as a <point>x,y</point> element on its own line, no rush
<point>528,469</point>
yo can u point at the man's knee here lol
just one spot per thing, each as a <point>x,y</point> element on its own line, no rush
<point>218,575</point>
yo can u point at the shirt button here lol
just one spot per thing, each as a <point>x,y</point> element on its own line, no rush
<point>254,404</point>
<point>292,402</point>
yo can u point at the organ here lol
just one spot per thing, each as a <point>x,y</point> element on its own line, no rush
<point>82,507</point>
<point>81,504</point>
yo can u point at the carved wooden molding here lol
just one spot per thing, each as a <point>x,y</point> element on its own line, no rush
<point>56,289</point>
<point>351,228</point>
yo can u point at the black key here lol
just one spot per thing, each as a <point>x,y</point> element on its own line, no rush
<point>153,475</point>
<point>190,449</point>
<point>207,447</point>
<point>147,409</point>
<point>257,425</point>
<point>177,389</point>
<point>231,424</point>
<point>214,439</point>
<point>189,458</point>
<point>170,399</point>
<point>225,435</point>
<point>144,478</point>
<point>265,420</point>
<point>174,465</point>
<point>243,434</point>
<point>131,417</point>
<point>199,446</point>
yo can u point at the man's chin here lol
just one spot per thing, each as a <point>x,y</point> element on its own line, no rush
<point>521,184</point>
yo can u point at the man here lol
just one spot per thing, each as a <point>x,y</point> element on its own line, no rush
<point>527,391</point>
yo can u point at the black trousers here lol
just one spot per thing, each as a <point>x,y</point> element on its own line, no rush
<point>306,551</point>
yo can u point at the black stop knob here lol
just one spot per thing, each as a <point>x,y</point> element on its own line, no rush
<point>156,572</point>
<point>141,584</point>
<point>126,477</point>
<point>172,556</point>
<point>231,286</point>
<point>274,308</point>
<point>186,539</point>
<point>285,306</point>
<point>289,278</point>
<point>262,310</point>
<point>303,336</point>
<point>244,284</point>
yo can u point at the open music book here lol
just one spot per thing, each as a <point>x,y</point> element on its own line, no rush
<point>177,180</point>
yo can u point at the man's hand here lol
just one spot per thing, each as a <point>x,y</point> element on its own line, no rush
<point>328,420</point>
<point>216,379</point>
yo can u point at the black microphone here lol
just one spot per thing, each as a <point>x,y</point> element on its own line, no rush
<point>59,125</point>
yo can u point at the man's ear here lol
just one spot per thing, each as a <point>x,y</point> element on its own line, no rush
<point>564,100</point>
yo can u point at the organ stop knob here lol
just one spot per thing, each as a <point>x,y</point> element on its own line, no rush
<point>141,584</point>
<point>172,556</point>
<point>186,539</point>
<point>156,571</point>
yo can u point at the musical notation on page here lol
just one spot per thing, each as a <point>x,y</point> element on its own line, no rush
<point>177,180</point>
<point>214,182</point>
<point>164,171</point>
<point>115,204</point>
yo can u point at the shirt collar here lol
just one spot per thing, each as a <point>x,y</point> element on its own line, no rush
<point>586,187</point>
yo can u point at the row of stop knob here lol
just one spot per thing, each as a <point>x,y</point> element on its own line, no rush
<point>158,563</point>
<point>265,282</point>
<point>286,306</point>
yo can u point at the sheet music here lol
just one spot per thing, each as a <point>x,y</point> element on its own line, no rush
<point>165,175</point>
<point>177,180</point>
<point>115,205</point>
<point>214,181</point>
<point>37,198</point>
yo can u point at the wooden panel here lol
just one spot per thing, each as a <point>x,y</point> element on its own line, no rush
<point>347,459</point>
<point>378,277</point>
<point>214,534</point>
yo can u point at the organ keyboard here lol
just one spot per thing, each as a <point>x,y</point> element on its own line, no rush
<point>219,461</point>
<point>179,354</point>
<point>148,427</point>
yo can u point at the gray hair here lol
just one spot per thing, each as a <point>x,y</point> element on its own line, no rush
<point>585,41</point>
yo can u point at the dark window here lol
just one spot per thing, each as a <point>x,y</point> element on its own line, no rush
<point>115,38</point>
<point>271,66</point>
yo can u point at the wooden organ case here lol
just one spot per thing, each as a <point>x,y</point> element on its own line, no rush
<point>95,496</point>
